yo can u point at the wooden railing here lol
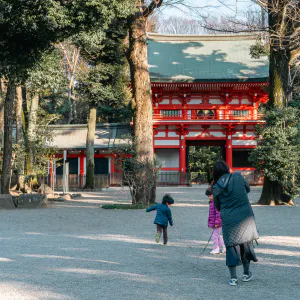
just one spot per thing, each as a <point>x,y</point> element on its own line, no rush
<point>184,115</point>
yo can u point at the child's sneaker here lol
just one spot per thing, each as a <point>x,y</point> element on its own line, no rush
<point>246,277</point>
<point>157,237</point>
<point>233,281</point>
<point>215,251</point>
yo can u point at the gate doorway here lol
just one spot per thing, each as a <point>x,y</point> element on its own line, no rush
<point>201,156</point>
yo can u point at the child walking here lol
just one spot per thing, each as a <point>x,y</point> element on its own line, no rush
<point>215,222</point>
<point>163,216</point>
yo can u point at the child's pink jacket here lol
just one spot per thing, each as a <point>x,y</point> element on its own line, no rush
<point>214,217</point>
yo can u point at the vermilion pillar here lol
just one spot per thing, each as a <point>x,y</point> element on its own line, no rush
<point>229,148</point>
<point>182,154</point>
<point>50,167</point>
<point>81,169</point>
<point>112,164</point>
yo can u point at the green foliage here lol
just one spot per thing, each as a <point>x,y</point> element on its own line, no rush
<point>47,77</point>
<point>28,28</point>
<point>125,206</point>
<point>278,149</point>
<point>202,159</point>
<point>42,153</point>
<point>104,82</point>
<point>259,49</point>
<point>120,113</point>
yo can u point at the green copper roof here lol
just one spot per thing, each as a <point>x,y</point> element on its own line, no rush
<point>180,58</point>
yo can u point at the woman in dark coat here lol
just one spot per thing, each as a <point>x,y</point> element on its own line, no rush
<point>239,228</point>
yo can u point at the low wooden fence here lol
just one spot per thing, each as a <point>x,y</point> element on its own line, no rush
<point>77,182</point>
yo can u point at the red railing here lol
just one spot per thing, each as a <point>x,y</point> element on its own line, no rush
<point>192,115</point>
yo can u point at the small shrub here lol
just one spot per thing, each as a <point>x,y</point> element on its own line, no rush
<point>124,206</point>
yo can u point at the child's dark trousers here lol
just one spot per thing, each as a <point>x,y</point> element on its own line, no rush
<point>163,229</point>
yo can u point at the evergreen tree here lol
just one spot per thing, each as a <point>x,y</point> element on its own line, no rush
<point>27,29</point>
<point>278,155</point>
<point>104,82</point>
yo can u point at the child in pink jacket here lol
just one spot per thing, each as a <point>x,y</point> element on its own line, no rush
<point>215,222</point>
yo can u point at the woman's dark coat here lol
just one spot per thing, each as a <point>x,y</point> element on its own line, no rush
<point>231,199</point>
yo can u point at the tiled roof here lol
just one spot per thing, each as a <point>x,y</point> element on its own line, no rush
<point>74,136</point>
<point>195,58</point>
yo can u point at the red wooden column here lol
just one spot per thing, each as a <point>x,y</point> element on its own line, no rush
<point>81,165</point>
<point>229,131</point>
<point>182,154</point>
<point>229,149</point>
<point>112,164</point>
<point>50,167</point>
<point>182,131</point>
<point>81,170</point>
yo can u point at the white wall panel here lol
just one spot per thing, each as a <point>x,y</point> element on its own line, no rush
<point>193,134</point>
<point>215,101</point>
<point>173,134</point>
<point>165,101</point>
<point>166,143</point>
<point>244,143</point>
<point>176,101</point>
<point>160,134</point>
<point>195,101</point>
<point>218,134</point>
<point>246,101</point>
<point>169,158</point>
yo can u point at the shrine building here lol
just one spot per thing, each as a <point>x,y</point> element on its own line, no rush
<point>206,91</point>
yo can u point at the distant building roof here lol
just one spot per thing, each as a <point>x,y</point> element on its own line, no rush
<point>192,58</point>
<point>74,136</point>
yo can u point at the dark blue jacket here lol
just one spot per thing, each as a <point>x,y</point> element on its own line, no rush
<point>163,214</point>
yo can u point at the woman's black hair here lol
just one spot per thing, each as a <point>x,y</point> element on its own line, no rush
<point>167,199</point>
<point>220,168</point>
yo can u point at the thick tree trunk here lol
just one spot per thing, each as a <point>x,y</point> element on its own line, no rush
<point>270,194</point>
<point>280,90</point>
<point>8,123</point>
<point>90,149</point>
<point>141,89</point>
<point>2,95</point>
<point>19,138</point>
<point>31,133</point>
<point>279,95</point>
<point>280,86</point>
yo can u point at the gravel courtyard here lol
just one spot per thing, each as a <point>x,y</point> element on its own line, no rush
<point>77,250</point>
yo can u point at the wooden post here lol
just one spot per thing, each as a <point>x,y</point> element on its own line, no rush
<point>182,154</point>
<point>229,147</point>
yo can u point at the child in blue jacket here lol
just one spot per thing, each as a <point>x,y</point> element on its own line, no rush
<point>163,216</point>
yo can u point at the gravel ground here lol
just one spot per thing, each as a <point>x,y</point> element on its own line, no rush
<point>76,250</point>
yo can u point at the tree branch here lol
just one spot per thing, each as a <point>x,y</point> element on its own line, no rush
<point>151,7</point>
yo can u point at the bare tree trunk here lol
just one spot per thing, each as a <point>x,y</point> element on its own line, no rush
<point>19,137</point>
<point>2,95</point>
<point>90,149</point>
<point>31,133</point>
<point>71,55</point>
<point>8,123</point>
<point>141,89</point>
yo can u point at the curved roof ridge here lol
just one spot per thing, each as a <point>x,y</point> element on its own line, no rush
<point>203,37</point>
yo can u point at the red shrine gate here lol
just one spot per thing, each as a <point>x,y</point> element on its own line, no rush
<point>206,90</point>
<point>223,114</point>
